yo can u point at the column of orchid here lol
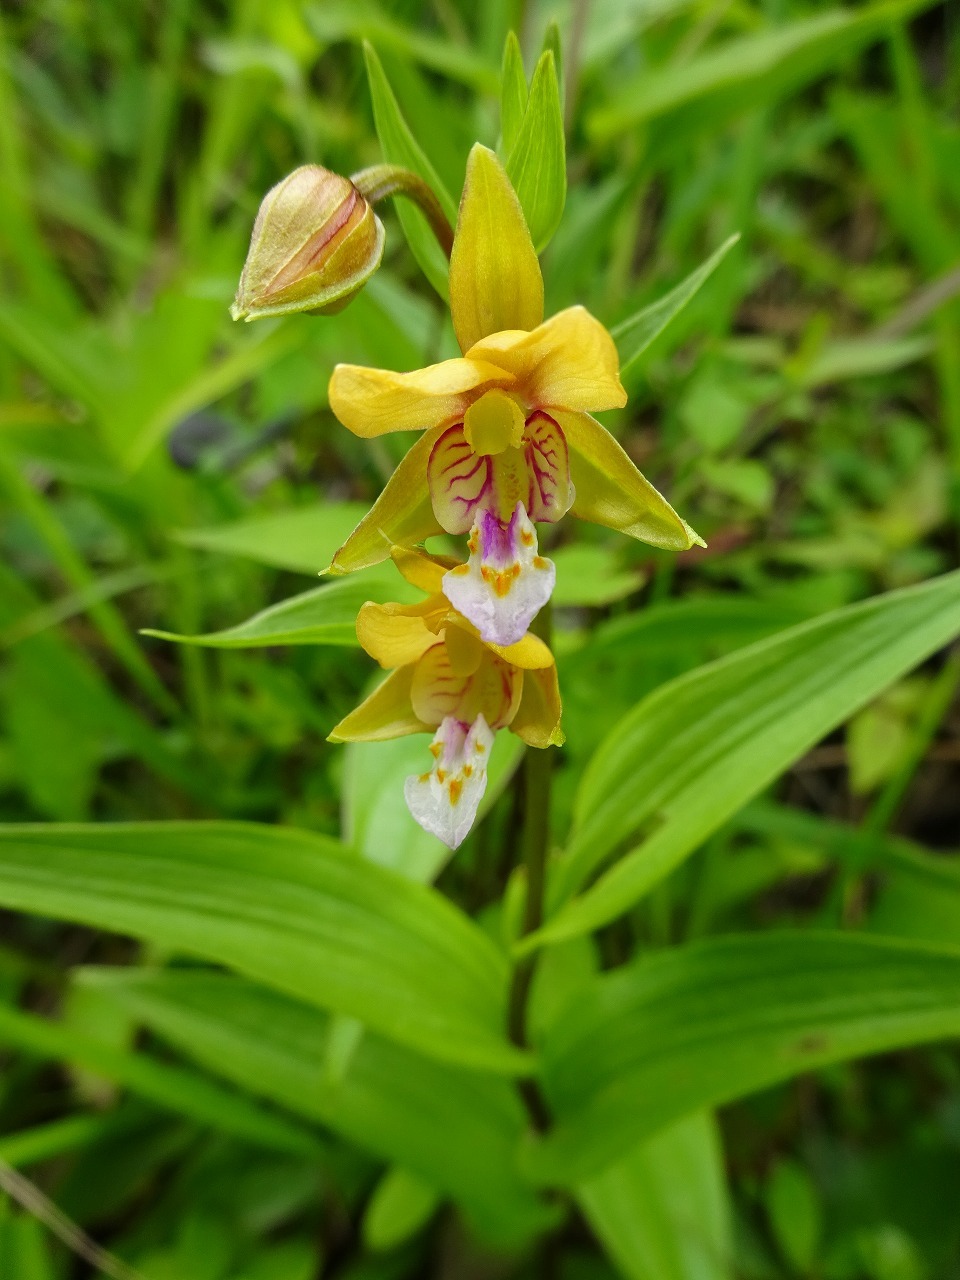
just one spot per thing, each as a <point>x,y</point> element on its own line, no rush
<point>507,442</point>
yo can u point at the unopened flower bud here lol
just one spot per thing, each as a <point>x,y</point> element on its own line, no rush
<point>315,243</point>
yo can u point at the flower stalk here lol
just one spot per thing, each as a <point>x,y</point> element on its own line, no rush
<point>383,180</point>
<point>535,782</point>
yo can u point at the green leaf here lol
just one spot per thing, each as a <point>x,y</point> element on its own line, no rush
<point>699,1025</point>
<point>291,909</point>
<point>399,1208</point>
<point>590,574</point>
<point>401,147</point>
<point>304,540</point>
<point>513,93</point>
<point>326,615</point>
<point>361,20</point>
<point>456,1130</point>
<point>662,1213</point>
<point>745,72</point>
<point>537,164</point>
<point>698,748</point>
<point>634,335</point>
<point>795,1214</point>
<point>179,1090</point>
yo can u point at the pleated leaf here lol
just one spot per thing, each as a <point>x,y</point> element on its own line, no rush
<point>698,748</point>
<point>706,1023</point>
<point>290,909</point>
<point>455,1129</point>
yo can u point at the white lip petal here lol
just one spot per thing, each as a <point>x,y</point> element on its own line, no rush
<point>506,582</point>
<point>445,800</point>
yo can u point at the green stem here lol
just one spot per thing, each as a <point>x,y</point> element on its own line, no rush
<point>383,180</point>
<point>535,781</point>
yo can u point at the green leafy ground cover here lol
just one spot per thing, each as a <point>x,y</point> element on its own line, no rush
<point>251,1019</point>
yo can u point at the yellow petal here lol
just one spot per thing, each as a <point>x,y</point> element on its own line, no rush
<point>387,713</point>
<point>537,721</point>
<point>464,650</point>
<point>493,690</point>
<point>612,492</point>
<point>421,569</point>
<point>530,653</point>
<point>569,362</point>
<point>372,402</point>
<point>394,634</point>
<point>402,515</point>
<point>495,280</point>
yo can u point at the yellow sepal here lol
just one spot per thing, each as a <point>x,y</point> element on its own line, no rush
<point>401,516</point>
<point>612,492</point>
<point>387,713</point>
<point>495,280</point>
<point>421,569</point>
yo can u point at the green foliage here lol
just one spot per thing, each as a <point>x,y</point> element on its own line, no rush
<point>255,1022</point>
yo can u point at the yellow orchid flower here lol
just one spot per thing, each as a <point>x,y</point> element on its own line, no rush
<point>445,679</point>
<point>508,437</point>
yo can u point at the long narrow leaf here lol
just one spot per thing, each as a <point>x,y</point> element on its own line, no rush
<point>290,909</point>
<point>697,749</point>
<point>635,334</point>
<point>703,1024</point>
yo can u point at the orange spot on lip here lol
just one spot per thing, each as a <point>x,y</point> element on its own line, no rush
<point>435,749</point>
<point>441,775</point>
<point>480,748</point>
<point>539,562</point>
<point>460,570</point>
<point>526,537</point>
<point>468,770</point>
<point>455,789</point>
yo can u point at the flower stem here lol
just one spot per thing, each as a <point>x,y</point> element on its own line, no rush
<point>383,180</point>
<point>535,782</point>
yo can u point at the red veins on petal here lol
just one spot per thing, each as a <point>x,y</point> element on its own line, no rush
<point>548,469</point>
<point>463,483</point>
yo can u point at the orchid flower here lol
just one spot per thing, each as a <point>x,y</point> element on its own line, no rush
<point>446,679</point>
<point>508,439</point>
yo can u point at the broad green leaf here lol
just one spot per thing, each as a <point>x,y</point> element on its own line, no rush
<point>400,1206</point>
<point>635,334</point>
<point>326,615</point>
<point>537,163</point>
<point>304,540</point>
<point>745,72</point>
<point>376,820</point>
<point>179,1090</point>
<point>697,1026</point>
<point>455,1129</point>
<point>285,907</point>
<point>590,574</point>
<point>697,749</point>
<point>663,1212</point>
<point>401,147</point>
<point>513,93</point>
